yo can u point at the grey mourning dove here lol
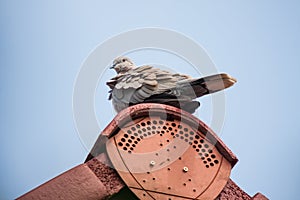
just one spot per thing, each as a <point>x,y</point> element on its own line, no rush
<point>146,84</point>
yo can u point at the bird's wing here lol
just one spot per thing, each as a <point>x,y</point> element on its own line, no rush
<point>143,82</point>
<point>133,86</point>
<point>186,89</point>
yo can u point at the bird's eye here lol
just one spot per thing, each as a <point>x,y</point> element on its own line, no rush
<point>124,60</point>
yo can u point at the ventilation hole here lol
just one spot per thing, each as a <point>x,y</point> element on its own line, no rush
<point>168,140</point>
<point>164,127</point>
<point>201,141</point>
<point>148,172</point>
<point>192,133</point>
<point>145,135</point>
<point>197,136</point>
<point>202,158</point>
<point>143,129</point>
<point>186,140</point>
<point>139,131</point>
<point>208,159</point>
<point>184,184</point>
<point>141,137</point>
<point>153,178</point>
<point>149,133</point>
<point>168,159</point>
<point>120,144</point>
<point>144,181</point>
<point>148,128</point>
<point>195,141</point>
<point>203,150</point>
<point>170,128</point>
<point>129,131</point>
<point>156,154</point>
<point>169,169</point>
<point>132,137</point>
<point>206,145</point>
<point>138,139</point>
<point>172,133</point>
<point>123,140</point>
<point>177,135</point>
<point>125,135</point>
<point>191,138</point>
<point>148,122</point>
<point>174,147</point>
<point>200,154</point>
<point>173,124</point>
<point>194,190</point>
<point>160,122</point>
<point>186,135</point>
<point>130,141</point>
<point>185,129</point>
<point>216,161</point>
<point>131,148</point>
<point>127,144</point>
<point>137,126</point>
<point>133,145</point>
<point>204,161</point>
<point>133,128</point>
<point>154,122</point>
<point>190,143</point>
<point>157,132</point>
<point>190,179</point>
<point>207,166</point>
<point>161,144</point>
<point>179,158</point>
<point>135,134</point>
<point>162,132</point>
<point>153,127</point>
<point>135,142</point>
<point>168,149</point>
<point>143,124</point>
<point>181,132</point>
<point>167,124</point>
<point>125,148</point>
<point>206,155</point>
<point>129,151</point>
<point>213,156</point>
<point>169,188</point>
<point>200,146</point>
<point>209,151</point>
<point>144,194</point>
<point>211,164</point>
<point>181,137</point>
<point>197,150</point>
<point>179,126</point>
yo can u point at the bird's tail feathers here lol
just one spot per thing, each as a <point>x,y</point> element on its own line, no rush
<point>207,85</point>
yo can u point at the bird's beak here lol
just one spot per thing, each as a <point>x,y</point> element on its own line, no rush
<point>111,67</point>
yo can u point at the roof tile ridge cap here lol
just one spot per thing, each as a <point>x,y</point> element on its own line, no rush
<point>140,108</point>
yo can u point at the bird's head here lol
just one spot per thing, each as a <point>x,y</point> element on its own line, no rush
<point>122,65</point>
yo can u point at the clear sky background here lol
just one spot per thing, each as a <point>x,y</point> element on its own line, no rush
<point>43,45</point>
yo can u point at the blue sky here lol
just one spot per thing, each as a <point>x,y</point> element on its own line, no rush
<point>43,45</point>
